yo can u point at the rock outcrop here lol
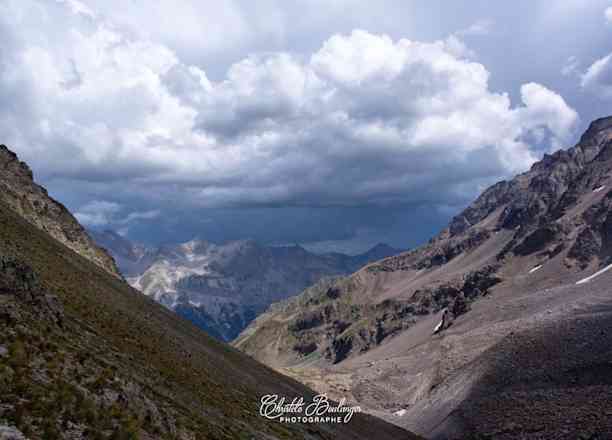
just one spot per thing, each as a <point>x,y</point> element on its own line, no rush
<point>19,191</point>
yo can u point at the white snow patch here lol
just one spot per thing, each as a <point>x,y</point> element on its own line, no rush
<point>535,269</point>
<point>595,275</point>
<point>439,326</point>
<point>601,188</point>
<point>400,413</point>
<point>135,282</point>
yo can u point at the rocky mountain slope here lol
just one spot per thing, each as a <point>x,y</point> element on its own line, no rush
<point>19,191</point>
<point>85,356</point>
<point>508,305</point>
<point>222,288</point>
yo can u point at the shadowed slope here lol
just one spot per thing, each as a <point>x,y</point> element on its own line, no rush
<point>550,381</point>
<point>114,362</point>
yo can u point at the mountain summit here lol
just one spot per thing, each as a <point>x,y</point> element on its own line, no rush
<point>508,305</point>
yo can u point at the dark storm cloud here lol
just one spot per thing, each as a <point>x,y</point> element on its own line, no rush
<point>134,114</point>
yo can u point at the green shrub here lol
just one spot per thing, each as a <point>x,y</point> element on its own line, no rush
<point>50,431</point>
<point>18,356</point>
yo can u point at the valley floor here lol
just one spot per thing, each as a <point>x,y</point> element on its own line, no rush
<point>439,384</point>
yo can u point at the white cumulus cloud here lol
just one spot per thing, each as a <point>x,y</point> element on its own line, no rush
<point>97,213</point>
<point>571,66</point>
<point>363,119</point>
<point>478,28</point>
<point>598,77</point>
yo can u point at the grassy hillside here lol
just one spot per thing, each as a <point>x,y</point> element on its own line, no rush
<point>104,361</point>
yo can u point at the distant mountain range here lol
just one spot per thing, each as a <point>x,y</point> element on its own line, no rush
<point>499,327</point>
<point>223,287</point>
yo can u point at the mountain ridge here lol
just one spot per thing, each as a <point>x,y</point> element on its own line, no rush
<point>528,251</point>
<point>222,287</point>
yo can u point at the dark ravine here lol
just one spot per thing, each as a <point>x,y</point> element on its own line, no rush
<point>509,264</point>
<point>85,356</point>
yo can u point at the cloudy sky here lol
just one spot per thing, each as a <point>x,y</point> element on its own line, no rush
<point>337,123</point>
